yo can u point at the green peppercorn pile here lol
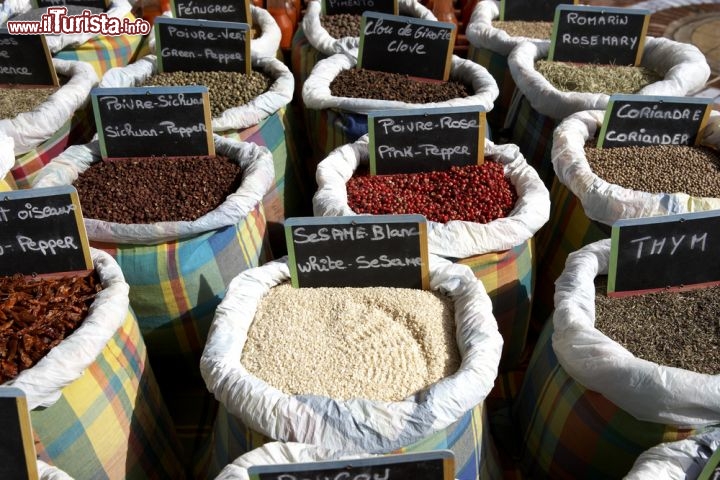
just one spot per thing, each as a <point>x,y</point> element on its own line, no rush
<point>226,89</point>
<point>475,193</point>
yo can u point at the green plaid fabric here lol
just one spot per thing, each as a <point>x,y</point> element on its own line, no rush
<point>509,279</point>
<point>111,423</point>
<point>329,129</point>
<point>568,230</point>
<point>105,52</point>
<point>569,432</point>
<point>290,195</point>
<point>497,65</point>
<point>532,132</point>
<point>77,130</point>
<point>468,438</point>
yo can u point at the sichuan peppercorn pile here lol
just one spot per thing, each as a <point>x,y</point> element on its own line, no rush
<point>475,193</point>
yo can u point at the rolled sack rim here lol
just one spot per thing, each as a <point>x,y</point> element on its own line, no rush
<point>317,95</point>
<point>688,72</point>
<point>456,238</point>
<point>258,177</point>
<point>356,425</point>
<point>30,129</point>
<point>607,202</point>
<point>481,33</point>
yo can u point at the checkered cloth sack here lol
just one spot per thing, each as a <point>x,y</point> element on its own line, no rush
<point>356,425</point>
<point>43,133</point>
<point>96,410</point>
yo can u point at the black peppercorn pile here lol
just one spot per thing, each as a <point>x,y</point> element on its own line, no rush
<point>341,25</point>
<point>676,329</point>
<point>156,189</point>
<point>362,83</point>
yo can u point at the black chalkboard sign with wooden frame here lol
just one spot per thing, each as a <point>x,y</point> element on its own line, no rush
<point>602,35</point>
<point>202,45</point>
<point>99,4</point>
<point>531,10</point>
<point>433,465</point>
<point>25,60</point>
<point>676,252</point>
<point>146,121</point>
<point>406,45</point>
<point>17,449</point>
<point>358,251</point>
<point>357,7</point>
<point>42,232</point>
<point>653,120</point>
<point>220,10</point>
<point>424,140</point>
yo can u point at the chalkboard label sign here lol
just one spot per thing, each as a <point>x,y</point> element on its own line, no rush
<point>358,251</point>
<point>531,10</point>
<point>147,121</point>
<point>357,7</point>
<point>42,231</point>
<point>202,45</point>
<point>433,465</point>
<point>25,60</point>
<point>657,253</point>
<point>651,120</point>
<point>425,140</point>
<point>99,4</point>
<point>603,35</point>
<point>17,448</point>
<point>712,467</point>
<point>220,10</point>
<point>406,45</point>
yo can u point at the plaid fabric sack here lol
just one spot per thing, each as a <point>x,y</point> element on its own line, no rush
<point>448,413</point>
<point>40,135</point>
<point>584,206</point>
<point>588,407</point>
<point>96,410</point>
<point>334,121</point>
<point>500,253</point>
<point>262,121</point>
<point>490,47</point>
<point>541,106</point>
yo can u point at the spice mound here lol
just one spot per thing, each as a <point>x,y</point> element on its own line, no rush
<point>658,168</point>
<point>36,314</point>
<point>676,329</point>
<point>156,189</point>
<point>362,83</point>
<point>225,89</point>
<point>591,78</point>
<point>341,25</point>
<point>519,28</point>
<point>475,193</point>
<point>376,343</point>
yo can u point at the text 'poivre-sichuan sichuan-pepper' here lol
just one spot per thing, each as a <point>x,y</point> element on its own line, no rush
<point>658,168</point>
<point>36,314</point>
<point>375,343</point>
<point>475,193</point>
<point>371,84</point>
<point>676,329</point>
<point>156,189</point>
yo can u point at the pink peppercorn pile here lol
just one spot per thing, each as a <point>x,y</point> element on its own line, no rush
<point>475,193</point>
